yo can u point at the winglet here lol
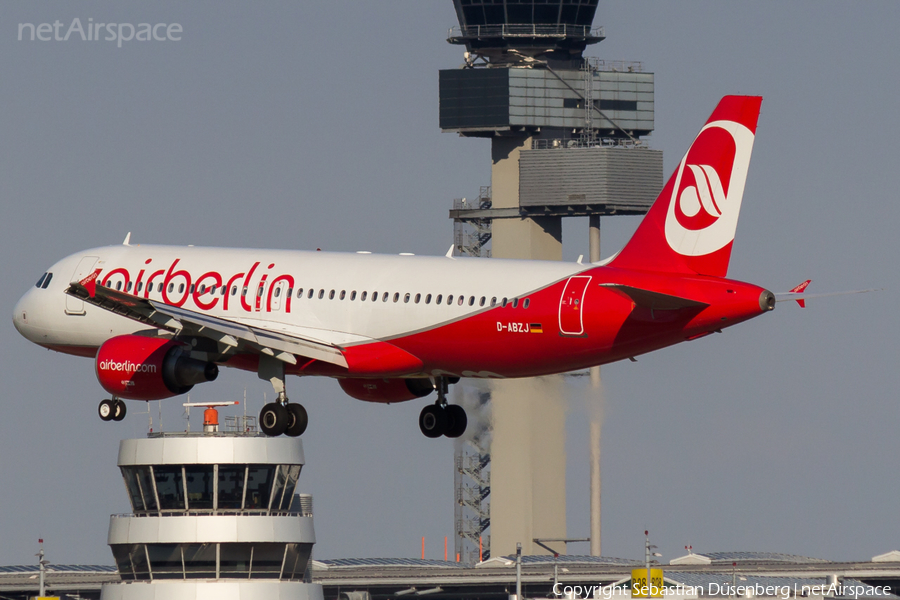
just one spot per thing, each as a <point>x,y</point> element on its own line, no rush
<point>799,290</point>
<point>127,241</point>
<point>449,252</point>
<point>90,282</point>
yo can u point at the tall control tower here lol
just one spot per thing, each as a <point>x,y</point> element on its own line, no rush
<point>566,140</point>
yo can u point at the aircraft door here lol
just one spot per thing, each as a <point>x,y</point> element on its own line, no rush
<point>571,305</point>
<point>74,306</point>
<point>278,292</point>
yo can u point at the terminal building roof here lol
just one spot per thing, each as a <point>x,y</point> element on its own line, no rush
<point>743,557</point>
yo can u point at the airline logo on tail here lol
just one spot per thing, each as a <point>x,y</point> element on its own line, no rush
<point>709,184</point>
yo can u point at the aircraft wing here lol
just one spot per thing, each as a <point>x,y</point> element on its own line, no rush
<point>283,345</point>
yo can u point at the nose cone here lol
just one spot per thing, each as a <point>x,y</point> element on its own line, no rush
<point>23,315</point>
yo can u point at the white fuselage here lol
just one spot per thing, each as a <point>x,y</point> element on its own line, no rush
<point>335,296</point>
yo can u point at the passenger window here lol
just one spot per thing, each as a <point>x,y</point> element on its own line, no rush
<point>503,303</point>
<point>418,297</point>
<point>527,302</point>
<point>481,302</point>
<point>396,296</point>
<point>128,287</point>
<point>299,293</point>
<point>515,302</point>
<point>259,291</point>
<point>384,297</point>
<point>438,299</point>
<point>363,297</point>
<point>331,295</point>
<point>311,292</point>
<point>471,300</point>
<point>494,301</point>
<point>321,294</point>
<point>277,292</point>
<point>192,288</point>
<point>180,288</point>
<point>449,299</point>
<point>343,294</point>
<point>233,290</point>
<point>140,286</point>
<point>406,298</point>
<point>40,281</point>
<point>119,285</point>
<point>428,299</point>
<point>159,288</point>
<point>353,295</point>
<point>289,293</point>
<point>374,296</point>
<point>461,300</point>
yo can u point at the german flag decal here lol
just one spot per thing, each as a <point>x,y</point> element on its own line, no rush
<point>535,328</point>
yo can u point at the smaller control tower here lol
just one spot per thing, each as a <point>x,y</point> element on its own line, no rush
<point>215,515</point>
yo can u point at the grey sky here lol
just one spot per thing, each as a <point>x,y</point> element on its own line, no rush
<point>314,124</point>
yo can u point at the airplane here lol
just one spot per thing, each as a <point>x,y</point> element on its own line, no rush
<point>158,320</point>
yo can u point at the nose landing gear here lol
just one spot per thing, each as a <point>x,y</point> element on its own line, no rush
<point>112,409</point>
<point>441,418</point>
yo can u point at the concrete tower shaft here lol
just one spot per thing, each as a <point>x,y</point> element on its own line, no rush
<point>565,141</point>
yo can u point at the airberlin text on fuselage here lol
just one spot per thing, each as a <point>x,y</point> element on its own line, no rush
<point>201,295</point>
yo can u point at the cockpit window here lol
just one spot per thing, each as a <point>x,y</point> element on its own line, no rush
<point>44,281</point>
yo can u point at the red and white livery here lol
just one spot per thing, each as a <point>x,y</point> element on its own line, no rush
<point>159,319</point>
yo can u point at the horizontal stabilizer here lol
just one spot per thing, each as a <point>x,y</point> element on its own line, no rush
<point>654,300</point>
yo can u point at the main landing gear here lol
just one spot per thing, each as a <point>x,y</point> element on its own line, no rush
<point>112,409</point>
<point>441,418</point>
<point>279,417</point>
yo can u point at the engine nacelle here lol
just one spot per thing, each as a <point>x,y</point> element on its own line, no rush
<point>146,368</point>
<point>386,390</point>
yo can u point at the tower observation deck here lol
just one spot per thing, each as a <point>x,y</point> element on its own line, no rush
<point>563,28</point>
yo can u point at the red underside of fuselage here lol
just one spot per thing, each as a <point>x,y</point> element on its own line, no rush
<point>85,351</point>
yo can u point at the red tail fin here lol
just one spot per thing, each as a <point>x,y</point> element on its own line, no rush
<point>690,228</point>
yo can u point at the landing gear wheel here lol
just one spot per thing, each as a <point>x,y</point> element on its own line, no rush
<point>456,420</point>
<point>297,420</point>
<point>106,410</point>
<point>273,419</point>
<point>433,421</point>
<point>119,410</point>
